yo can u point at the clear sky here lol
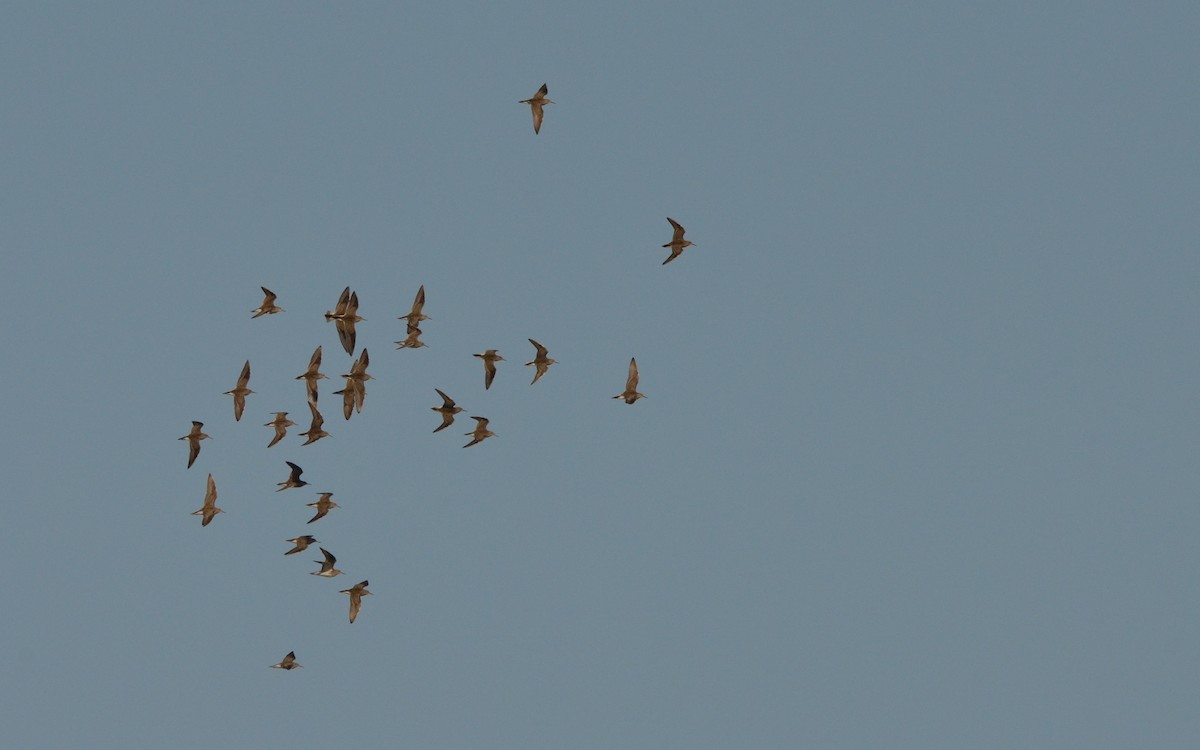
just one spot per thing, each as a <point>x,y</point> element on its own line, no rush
<point>917,466</point>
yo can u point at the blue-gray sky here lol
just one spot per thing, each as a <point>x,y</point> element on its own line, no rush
<point>917,465</point>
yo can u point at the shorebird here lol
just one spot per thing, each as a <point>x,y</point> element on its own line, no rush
<point>280,423</point>
<point>268,306</point>
<point>209,510</point>
<point>322,505</point>
<point>448,409</point>
<point>293,479</point>
<point>240,391</point>
<point>541,361</point>
<point>350,396</point>
<point>677,243</point>
<point>194,437</point>
<point>355,393</point>
<point>415,316</point>
<point>345,315</point>
<point>480,433</point>
<point>301,543</point>
<point>311,376</point>
<point>356,592</point>
<point>413,340</point>
<point>490,358</point>
<point>289,662</point>
<point>327,570</point>
<point>631,383</point>
<point>536,102</point>
<point>315,432</point>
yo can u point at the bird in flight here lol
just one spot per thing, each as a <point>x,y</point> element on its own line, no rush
<point>490,358</point>
<point>413,340</point>
<point>315,432</point>
<point>240,391</point>
<point>631,383</point>
<point>311,376</point>
<point>415,316</point>
<point>541,361</point>
<point>289,662</point>
<point>323,505</point>
<point>356,592</point>
<point>268,306</point>
<point>209,510</point>
<point>280,423</point>
<point>293,479</point>
<point>327,570</point>
<point>536,102</point>
<point>301,543</point>
<point>480,433</point>
<point>677,243</point>
<point>448,409</point>
<point>194,437</point>
<point>345,316</point>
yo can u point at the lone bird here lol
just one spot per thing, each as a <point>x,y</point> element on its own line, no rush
<point>240,391</point>
<point>293,479</point>
<point>356,592</point>
<point>280,423</point>
<point>301,543</point>
<point>541,361</point>
<point>311,376</point>
<point>209,510</point>
<point>490,358</point>
<point>315,432</point>
<point>536,102</point>
<point>289,662</point>
<point>631,392</point>
<point>194,437</point>
<point>677,243</point>
<point>448,409</point>
<point>268,306</point>
<point>327,570</point>
<point>323,505</point>
<point>480,433</point>
<point>415,316</point>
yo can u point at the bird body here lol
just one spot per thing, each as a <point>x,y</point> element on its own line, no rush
<point>490,358</point>
<point>536,102</point>
<point>323,505</point>
<point>480,433</point>
<point>677,243</point>
<point>268,306</point>
<point>301,543</point>
<point>289,662</point>
<point>631,383</point>
<point>327,570</point>
<point>240,391</point>
<point>356,592</point>
<point>293,479</point>
<point>209,510</point>
<point>448,409</point>
<point>311,376</point>
<point>280,423</point>
<point>315,431</point>
<point>540,361</point>
<point>194,437</point>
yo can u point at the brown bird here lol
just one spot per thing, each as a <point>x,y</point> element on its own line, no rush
<point>268,306</point>
<point>541,361</point>
<point>209,510</point>
<point>356,592</point>
<point>301,543</point>
<point>354,395</point>
<point>311,376</point>
<point>327,570</point>
<point>240,392</point>
<point>323,505</point>
<point>293,479</point>
<point>631,393</point>
<point>289,662</point>
<point>536,102</point>
<point>490,358</point>
<point>415,316</point>
<point>315,432</point>
<point>480,433</point>
<point>413,340</point>
<point>677,243</point>
<point>194,437</point>
<point>280,423</point>
<point>448,409</point>
<point>345,316</point>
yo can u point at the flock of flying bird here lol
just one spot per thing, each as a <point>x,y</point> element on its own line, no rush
<point>345,316</point>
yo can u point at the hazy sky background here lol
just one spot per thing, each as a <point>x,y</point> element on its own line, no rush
<point>918,463</point>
